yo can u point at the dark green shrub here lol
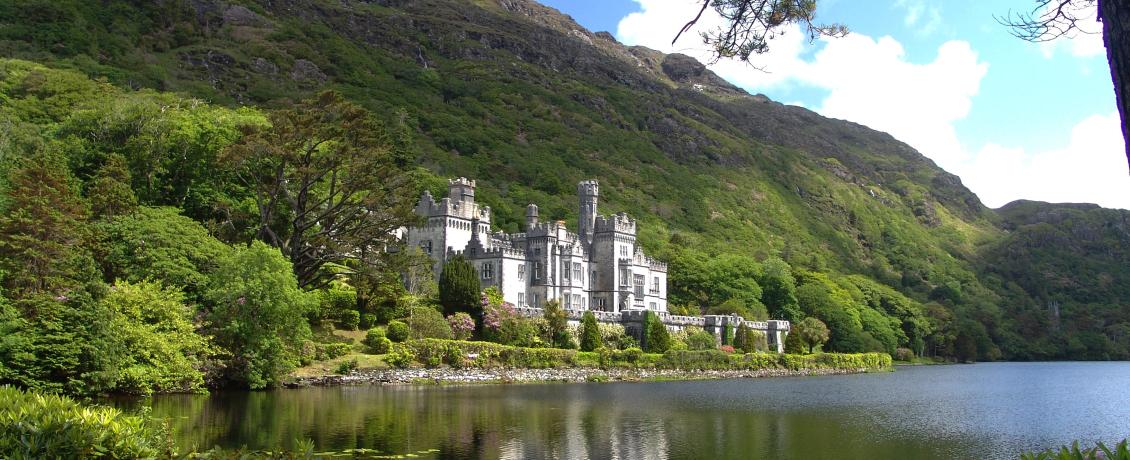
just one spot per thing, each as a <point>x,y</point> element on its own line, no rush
<point>398,331</point>
<point>48,426</point>
<point>399,357</point>
<point>349,320</point>
<point>590,332</point>
<point>428,323</point>
<point>347,367</point>
<point>368,320</point>
<point>459,289</point>
<point>336,303</point>
<point>701,340</point>
<point>324,351</point>
<point>657,338</point>
<point>372,335</point>
<point>626,341</point>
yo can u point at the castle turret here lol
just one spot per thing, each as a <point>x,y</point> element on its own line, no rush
<point>588,192</point>
<point>531,216</point>
<point>461,189</point>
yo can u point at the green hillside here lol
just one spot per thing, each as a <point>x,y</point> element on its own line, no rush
<point>738,192</point>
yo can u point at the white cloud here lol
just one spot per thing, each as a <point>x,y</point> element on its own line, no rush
<point>925,19</point>
<point>1091,168</point>
<point>872,82</point>
<point>868,81</point>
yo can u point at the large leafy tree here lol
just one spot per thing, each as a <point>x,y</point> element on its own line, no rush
<point>258,314</point>
<point>159,243</point>
<point>162,351</point>
<point>329,183</point>
<point>812,332</point>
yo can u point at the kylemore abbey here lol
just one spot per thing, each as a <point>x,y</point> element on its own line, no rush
<point>599,268</point>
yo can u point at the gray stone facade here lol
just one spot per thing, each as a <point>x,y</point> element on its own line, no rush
<point>601,267</point>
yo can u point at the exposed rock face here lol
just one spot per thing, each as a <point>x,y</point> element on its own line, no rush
<point>306,71</point>
<point>264,66</point>
<point>241,16</point>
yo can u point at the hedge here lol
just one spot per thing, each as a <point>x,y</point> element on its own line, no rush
<point>462,354</point>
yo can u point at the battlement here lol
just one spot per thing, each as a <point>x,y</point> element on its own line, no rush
<point>619,222</point>
<point>463,181</point>
<point>449,207</point>
<point>588,188</point>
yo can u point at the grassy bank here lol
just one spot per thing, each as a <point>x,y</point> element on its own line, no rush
<point>483,355</point>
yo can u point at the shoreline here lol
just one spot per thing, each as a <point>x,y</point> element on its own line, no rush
<point>494,376</point>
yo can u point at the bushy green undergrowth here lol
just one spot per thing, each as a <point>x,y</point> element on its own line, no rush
<point>462,354</point>
<point>47,426</point>
<point>1099,451</point>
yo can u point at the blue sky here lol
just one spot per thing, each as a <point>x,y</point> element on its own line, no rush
<point>1013,119</point>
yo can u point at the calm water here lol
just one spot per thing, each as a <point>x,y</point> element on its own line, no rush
<point>970,411</point>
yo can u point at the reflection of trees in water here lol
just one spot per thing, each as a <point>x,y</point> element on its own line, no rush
<point>567,421</point>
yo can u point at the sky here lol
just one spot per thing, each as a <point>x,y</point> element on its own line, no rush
<point>1014,119</point>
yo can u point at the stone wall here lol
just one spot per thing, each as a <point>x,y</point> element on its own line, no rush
<point>718,325</point>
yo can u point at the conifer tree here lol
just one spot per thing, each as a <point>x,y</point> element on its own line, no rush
<point>590,332</point>
<point>110,193</point>
<point>743,339</point>
<point>459,287</point>
<point>657,339</point>
<point>44,235</point>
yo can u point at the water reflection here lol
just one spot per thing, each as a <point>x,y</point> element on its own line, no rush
<point>983,411</point>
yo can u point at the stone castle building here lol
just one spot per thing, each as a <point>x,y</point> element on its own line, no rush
<point>600,267</point>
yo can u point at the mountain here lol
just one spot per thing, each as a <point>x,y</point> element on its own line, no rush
<point>522,98</point>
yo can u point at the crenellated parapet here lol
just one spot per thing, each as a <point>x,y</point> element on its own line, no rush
<point>616,223</point>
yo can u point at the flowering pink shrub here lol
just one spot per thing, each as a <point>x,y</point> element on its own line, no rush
<point>495,315</point>
<point>461,325</point>
<point>727,348</point>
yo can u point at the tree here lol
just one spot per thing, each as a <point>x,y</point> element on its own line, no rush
<point>1052,19</point>
<point>778,290</point>
<point>556,323</point>
<point>258,314</point>
<point>162,351</point>
<point>329,184</point>
<point>812,332</point>
<point>160,244</point>
<point>701,340</point>
<point>793,343</point>
<point>109,192</point>
<point>459,288</point>
<point>590,332</point>
<point>656,337</point>
<point>428,323</point>
<point>44,234</point>
<point>743,339</point>
<point>751,24</point>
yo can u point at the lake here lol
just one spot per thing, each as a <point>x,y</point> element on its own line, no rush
<point>991,410</point>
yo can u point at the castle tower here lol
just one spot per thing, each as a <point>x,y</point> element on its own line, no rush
<point>461,189</point>
<point>588,192</point>
<point>531,216</point>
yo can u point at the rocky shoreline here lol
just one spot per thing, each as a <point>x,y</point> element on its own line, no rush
<point>561,375</point>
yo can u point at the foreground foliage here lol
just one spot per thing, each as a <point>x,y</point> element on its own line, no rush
<point>36,425</point>
<point>1074,452</point>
